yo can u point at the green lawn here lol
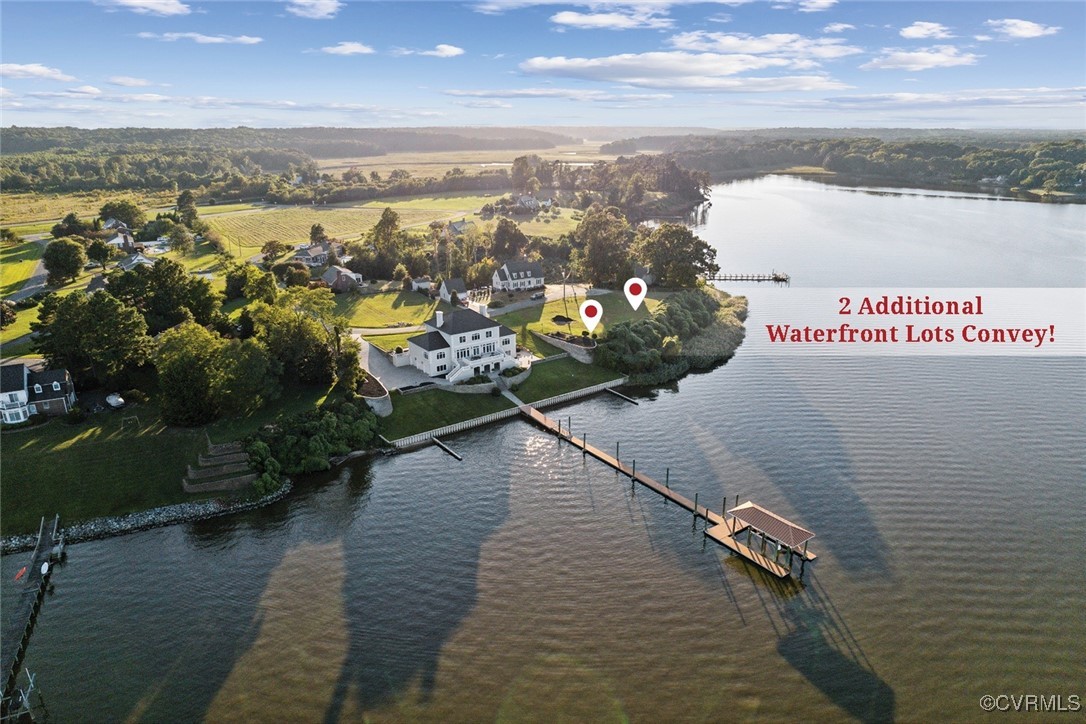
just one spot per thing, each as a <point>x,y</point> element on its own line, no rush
<point>17,263</point>
<point>292,400</point>
<point>564,375</point>
<point>386,308</point>
<point>389,342</point>
<point>450,202</point>
<point>546,225</point>
<point>94,468</point>
<point>615,309</point>
<point>291,224</point>
<point>422,411</point>
<point>225,208</point>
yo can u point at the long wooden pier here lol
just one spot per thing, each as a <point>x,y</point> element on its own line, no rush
<point>778,277</point>
<point>724,529</point>
<point>22,615</point>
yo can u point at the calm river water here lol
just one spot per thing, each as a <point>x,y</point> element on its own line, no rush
<point>948,495</point>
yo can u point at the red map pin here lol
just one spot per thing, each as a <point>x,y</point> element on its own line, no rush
<point>591,311</point>
<point>636,289</point>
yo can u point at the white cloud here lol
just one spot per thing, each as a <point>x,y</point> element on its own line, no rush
<point>815,6</point>
<point>938,56</point>
<point>838,28</point>
<point>982,38</point>
<point>1013,28</point>
<point>783,45</point>
<point>128,81</point>
<point>203,39</point>
<point>484,104</point>
<point>621,20</point>
<point>922,29</point>
<point>314,9</point>
<point>86,90</point>
<point>680,70</point>
<point>442,50</point>
<point>1040,97</point>
<point>573,94</point>
<point>5,93</point>
<point>32,70</point>
<point>164,8</point>
<point>345,47</point>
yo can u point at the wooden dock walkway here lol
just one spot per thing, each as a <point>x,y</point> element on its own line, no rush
<point>22,615</point>
<point>723,530</point>
<point>778,277</point>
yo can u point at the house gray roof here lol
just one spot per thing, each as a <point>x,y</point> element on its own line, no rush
<point>46,380</point>
<point>13,378</point>
<point>462,321</point>
<point>534,268</point>
<point>459,227</point>
<point>333,273</point>
<point>324,248</point>
<point>429,341</point>
<point>502,275</point>
<point>133,260</point>
<point>504,331</point>
<point>457,285</point>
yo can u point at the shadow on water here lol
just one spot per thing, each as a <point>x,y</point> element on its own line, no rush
<point>815,640</point>
<point>405,593</point>
<point>815,473</point>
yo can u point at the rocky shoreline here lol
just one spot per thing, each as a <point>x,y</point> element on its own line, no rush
<point>109,527</point>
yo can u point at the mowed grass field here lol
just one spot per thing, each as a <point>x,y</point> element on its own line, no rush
<point>422,411</point>
<point>291,224</point>
<point>561,376</point>
<point>17,264</point>
<point>615,309</point>
<point>95,468</point>
<point>387,308</point>
<point>389,342</point>
<point>22,208</point>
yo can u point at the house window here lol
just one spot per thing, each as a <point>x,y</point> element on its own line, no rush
<point>490,333</point>
<point>475,337</point>
<point>56,386</point>
<point>488,348</point>
<point>440,355</point>
<point>441,368</point>
<point>37,389</point>
<point>507,342</point>
<point>475,351</point>
<point>426,355</point>
<point>463,338</point>
<point>11,397</point>
<point>462,353</point>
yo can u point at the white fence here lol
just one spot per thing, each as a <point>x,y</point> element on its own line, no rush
<point>424,437</point>
<point>558,399</point>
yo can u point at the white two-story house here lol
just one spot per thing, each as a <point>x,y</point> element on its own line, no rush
<point>24,393</point>
<point>516,275</point>
<point>462,344</point>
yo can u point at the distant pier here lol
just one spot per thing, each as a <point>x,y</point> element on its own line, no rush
<point>775,277</point>
<point>763,528</point>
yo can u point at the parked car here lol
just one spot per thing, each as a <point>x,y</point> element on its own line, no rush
<point>539,295</point>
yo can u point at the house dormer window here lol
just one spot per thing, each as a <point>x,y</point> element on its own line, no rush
<point>56,386</point>
<point>37,389</point>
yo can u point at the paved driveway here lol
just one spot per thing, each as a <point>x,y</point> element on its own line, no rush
<point>377,364</point>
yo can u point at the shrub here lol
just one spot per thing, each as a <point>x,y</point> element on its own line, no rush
<point>135,396</point>
<point>75,415</point>
<point>495,392</point>
<point>514,387</point>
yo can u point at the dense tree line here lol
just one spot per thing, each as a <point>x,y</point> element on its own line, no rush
<point>1049,165</point>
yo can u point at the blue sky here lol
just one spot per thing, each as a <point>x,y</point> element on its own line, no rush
<point>742,63</point>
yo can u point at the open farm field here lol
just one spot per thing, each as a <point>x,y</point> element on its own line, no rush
<point>25,208</point>
<point>291,224</point>
<point>437,163</point>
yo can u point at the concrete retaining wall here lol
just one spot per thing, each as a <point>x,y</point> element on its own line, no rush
<point>578,353</point>
<point>218,486</point>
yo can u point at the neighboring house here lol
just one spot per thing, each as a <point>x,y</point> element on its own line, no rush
<point>341,279</point>
<point>453,285</point>
<point>515,275</point>
<point>24,393</point>
<point>122,240</point>
<point>112,223</point>
<point>132,261</point>
<point>458,228</point>
<point>645,274</point>
<point>528,202</point>
<point>317,254</point>
<point>462,344</point>
<point>421,284</point>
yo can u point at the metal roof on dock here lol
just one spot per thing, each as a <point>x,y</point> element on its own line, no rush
<point>771,524</point>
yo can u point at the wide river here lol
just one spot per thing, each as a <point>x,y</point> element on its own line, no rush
<point>948,495</point>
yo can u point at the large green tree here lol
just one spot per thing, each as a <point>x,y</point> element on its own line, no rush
<point>64,259</point>
<point>70,225</point>
<point>166,294</point>
<point>604,237</point>
<point>186,208</point>
<point>79,331</point>
<point>99,251</point>
<point>384,233</point>
<point>124,210</point>
<point>509,240</point>
<point>181,240</point>
<point>676,255</point>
